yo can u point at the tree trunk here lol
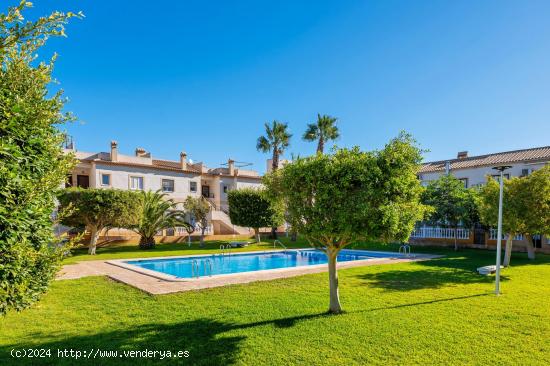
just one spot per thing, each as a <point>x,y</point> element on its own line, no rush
<point>94,235</point>
<point>203,228</point>
<point>528,239</point>
<point>188,240</point>
<point>147,242</point>
<point>275,159</point>
<point>293,236</point>
<point>257,234</point>
<point>274,167</point>
<point>508,250</point>
<point>456,240</point>
<point>334,307</point>
<point>321,145</point>
<point>273,233</point>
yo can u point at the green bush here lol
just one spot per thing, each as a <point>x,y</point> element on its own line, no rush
<point>32,163</point>
<point>98,209</point>
<point>250,207</point>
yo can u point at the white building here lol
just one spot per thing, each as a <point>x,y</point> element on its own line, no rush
<point>474,170</point>
<point>178,179</point>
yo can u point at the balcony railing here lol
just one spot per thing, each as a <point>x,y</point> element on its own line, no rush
<point>440,233</point>
<point>493,235</point>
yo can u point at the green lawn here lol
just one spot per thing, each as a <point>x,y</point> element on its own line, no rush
<point>433,312</point>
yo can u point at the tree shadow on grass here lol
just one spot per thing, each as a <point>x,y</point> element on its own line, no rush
<point>428,302</point>
<point>407,280</point>
<point>455,268</point>
<point>203,338</point>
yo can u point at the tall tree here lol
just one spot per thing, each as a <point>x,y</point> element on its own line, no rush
<point>323,130</point>
<point>32,163</point>
<point>198,208</point>
<point>99,209</point>
<point>276,140</point>
<point>334,200</point>
<point>453,203</point>
<point>526,208</point>
<point>250,207</point>
<point>512,221</point>
<point>157,213</point>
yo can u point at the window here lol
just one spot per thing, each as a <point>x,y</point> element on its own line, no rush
<point>136,183</point>
<point>167,185</point>
<point>524,172</point>
<point>464,181</point>
<point>497,176</point>
<point>224,189</point>
<point>193,186</point>
<point>105,179</point>
<point>170,231</point>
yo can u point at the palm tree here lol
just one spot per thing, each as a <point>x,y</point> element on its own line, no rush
<point>158,214</point>
<point>323,130</point>
<point>276,140</point>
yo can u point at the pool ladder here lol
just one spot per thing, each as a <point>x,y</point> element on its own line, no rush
<point>405,249</point>
<point>206,268</point>
<point>224,248</point>
<point>281,244</point>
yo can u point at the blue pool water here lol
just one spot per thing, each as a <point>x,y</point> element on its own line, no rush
<point>248,262</point>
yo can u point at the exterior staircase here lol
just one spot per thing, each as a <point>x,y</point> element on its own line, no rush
<point>219,218</point>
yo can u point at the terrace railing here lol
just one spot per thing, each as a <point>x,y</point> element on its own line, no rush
<point>493,235</point>
<point>440,233</point>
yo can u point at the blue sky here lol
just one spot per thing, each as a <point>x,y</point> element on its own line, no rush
<point>204,76</point>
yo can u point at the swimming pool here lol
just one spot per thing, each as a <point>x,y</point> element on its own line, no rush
<point>212,265</point>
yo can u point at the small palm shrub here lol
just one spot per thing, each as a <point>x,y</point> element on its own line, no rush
<point>158,213</point>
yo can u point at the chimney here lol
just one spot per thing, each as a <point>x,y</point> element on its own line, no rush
<point>141,153</point>
<point>447,167</point>
<point>231,166</point>
<point>183,160</point>
<point>114,151</point>
<point>462,155</point>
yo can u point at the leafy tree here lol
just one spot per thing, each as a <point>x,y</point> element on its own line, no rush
<point>453,203</point>
<point>537,213</point>
<point>251,208</point>
<point>32,163</point>
<point>99,209</point>
<point>276,141</point>
<point>323,130</point>
<point>526,204</point>
<point>334,200</point>
<point>158,213</point>
<point>512,222</point>
<point>199,208</point>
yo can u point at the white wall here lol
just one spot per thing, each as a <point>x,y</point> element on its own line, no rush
<point>242,182</point>
<point>478,176</point>
<point>152,179</point>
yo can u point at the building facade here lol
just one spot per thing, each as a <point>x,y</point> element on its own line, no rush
<point>178,179</point>
<point>474,171</point>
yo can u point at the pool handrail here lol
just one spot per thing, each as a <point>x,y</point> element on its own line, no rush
<point>281,244</point>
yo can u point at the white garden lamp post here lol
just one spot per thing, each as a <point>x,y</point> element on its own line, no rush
<point>501,169</point>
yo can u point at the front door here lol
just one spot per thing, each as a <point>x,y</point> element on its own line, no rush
<point>479,234</point>
<point>537,241</point>
<point>82,181</point>
<point>206,191</point>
